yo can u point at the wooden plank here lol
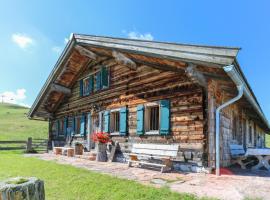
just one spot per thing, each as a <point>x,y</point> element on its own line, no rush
<point>124,60</point>
<point>13,148</point>
<point>155,152</point>
<point>198,58</point>
<point>171,147</point>
<point>60,88</point>
<point>13,142</point>
<point>85,52</point>
<point>212,50</point>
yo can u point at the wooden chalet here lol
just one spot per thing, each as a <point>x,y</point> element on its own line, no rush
<point>151,92</point>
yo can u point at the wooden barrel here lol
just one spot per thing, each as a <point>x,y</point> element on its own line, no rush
<point>78,149</point>
<point>22,188</point>
<point>70,152</point>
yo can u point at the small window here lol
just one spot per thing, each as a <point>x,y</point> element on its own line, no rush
<point>152,119</point>
<point>86,88</point>
<point>250,135</point>
<point>61,126</point>
<point>234,128</point>
<point>78,125</point>
<point>115,122</point>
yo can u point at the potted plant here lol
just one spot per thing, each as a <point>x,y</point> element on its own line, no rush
<point>101,139</point>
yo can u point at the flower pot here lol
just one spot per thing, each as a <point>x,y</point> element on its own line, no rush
<point>101,152</point>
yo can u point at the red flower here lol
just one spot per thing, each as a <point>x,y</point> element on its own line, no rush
<point>101,137</point>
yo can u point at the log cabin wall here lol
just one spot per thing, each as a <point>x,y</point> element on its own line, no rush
<point>133,87</point>
<point>236,125</point>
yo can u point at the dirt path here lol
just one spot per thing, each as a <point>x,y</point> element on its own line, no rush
<point>239,186</point>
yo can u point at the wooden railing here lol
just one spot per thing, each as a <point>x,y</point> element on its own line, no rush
<point>31,145</point>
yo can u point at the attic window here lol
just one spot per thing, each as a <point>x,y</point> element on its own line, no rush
<point>86,87</point>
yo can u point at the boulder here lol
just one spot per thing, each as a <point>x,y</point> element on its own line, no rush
<point>20,188</point>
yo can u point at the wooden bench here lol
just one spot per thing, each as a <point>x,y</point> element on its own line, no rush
<point>238,155</point>
<point>143,154</point>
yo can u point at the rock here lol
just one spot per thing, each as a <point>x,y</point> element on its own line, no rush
<point>22,189</point>
<point>158,181</point>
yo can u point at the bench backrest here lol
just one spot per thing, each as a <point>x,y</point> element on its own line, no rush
<point>156,149</point>
<point>237,150</point>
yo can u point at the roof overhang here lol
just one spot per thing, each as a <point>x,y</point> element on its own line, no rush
<point>210,56</point>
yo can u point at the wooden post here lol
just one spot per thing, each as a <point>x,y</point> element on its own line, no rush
<point>29,147</point>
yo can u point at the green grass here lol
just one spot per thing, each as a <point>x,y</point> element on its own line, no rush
<point>67,182</point>
<point>267,142</point>
<point>14,124</point>
<point>64,181</point>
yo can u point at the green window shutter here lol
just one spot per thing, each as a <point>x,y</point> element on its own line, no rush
<point>58,127</point>
<point>98,81</point>
<point>164,117</point>
<point>107,121</point>
<point>104,77</point>
<point>123,121</point>
<point>140,120</point>
<point>81,88</point>
<point>91,84</point>
<point>65,126</point>
<point>73,126</point>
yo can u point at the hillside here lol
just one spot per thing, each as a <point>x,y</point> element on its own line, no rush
<point>14,124</point>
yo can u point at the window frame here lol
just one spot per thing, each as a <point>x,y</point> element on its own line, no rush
<point>94,74</point>
<point>86,92</point>
<point>112,123</point>
<point>147,110</point>
<point>61,131</point>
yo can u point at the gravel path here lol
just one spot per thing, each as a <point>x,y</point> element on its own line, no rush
<point>240,185</point>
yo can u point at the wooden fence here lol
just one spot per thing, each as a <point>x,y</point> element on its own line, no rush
<point>30,145</point>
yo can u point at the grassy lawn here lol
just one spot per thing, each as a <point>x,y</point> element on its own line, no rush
<point>67,182</point>
<point>63,181</point>
<point>267,140</point>
<point>14,124</point>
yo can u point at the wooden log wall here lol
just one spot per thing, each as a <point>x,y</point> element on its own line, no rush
<point>236,125</point>
<point>133,87</point>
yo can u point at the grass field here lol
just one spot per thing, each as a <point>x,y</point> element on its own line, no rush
<point>14,124</point>
<point>63,182</point>
<point>268,140</point>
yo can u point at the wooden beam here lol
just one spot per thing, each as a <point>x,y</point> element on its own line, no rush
<point>86,52</point>
<point>60,88</point>
<point>44,115</point>
<point>124,60</point>
<point>195,75</point>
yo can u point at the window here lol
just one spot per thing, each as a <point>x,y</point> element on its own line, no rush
<point>115,122</point>
<point>86,87</point>
<point>61,127</point>
<point>250,135</point>
<point>78,125</point>
<point>152,119</point>
<point>102,79</point>
<point>234,128</point>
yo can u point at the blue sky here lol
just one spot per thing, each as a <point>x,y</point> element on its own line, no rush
<point>33,34</point>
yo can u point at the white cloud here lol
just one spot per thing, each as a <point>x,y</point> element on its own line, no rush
<point>14,97</point>
<point>22,40</point>
<point>57,49</point>
<point>139,36</point>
